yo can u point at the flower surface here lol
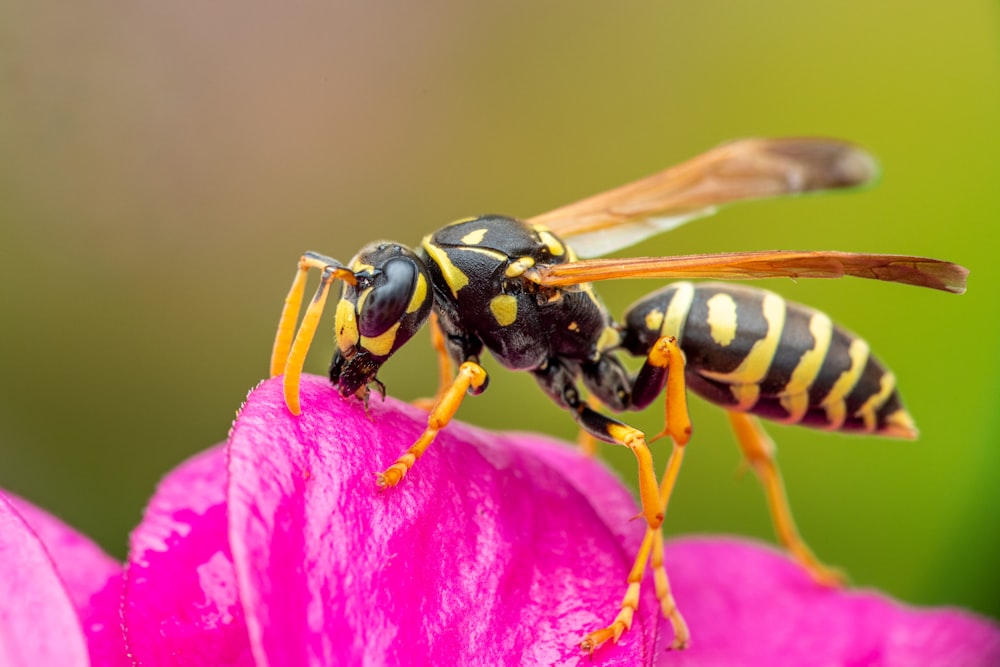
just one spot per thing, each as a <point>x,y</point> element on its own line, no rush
<point>496,549</point>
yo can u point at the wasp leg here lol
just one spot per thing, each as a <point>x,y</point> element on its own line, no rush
<point>664,367</point>
<point>558,382</point>
<point>288,355</point>
<point>652,549</point>
<point>668,605</point>
<point>471,378</point>
<point>759,450</point>
<point>446,367</point>
<point>586,441</point>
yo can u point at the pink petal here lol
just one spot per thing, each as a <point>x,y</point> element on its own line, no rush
<point>502,549</point>
<point>181,605</point>
<point>92,579</point>
<point>38,623</point>
<point>748,605</point>
<point>490,552</point>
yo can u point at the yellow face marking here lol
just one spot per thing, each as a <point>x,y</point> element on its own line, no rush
<point>456,279</point>
<point>475,237</point>
<point>504,309</point>
<point>836,408</point>
<point>381,344</point>
<point>722,318</point>
<point>677,310</point>
<point>362,298</point>
<point>554,245</point>
<point>519,266</point>
<point>419,294</point>
<point>346,324</point>
<point>754,366</point>
<point>654,319</point>
<point>887,384</point>
<point>795,397</point>
<point>360,267</point>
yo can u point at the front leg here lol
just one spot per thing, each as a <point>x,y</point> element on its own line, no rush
<point>472,379</point>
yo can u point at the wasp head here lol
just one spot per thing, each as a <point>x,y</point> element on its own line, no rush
<point>376,316</point>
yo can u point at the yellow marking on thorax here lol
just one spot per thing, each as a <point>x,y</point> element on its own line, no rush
<point>519,266</point>
<point>381,344</point>
<point>493,254</point>
<point>346,324</point>
<point>504,309</point>
<point>677,311</point>
<point>887,384</point>
<point>755,365</point>
<point>554,245</point>
<point>834,403</point>
<point>795,395</point>
<point>419,294</point>
<point>722,318</point>
<point>452,275</point>
<point>475,237</point>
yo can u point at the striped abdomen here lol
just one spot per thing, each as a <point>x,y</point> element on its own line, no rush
<point>749,350</point>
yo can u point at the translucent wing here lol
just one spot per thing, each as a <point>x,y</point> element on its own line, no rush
<point>741,170</point>
<point>919,271</point>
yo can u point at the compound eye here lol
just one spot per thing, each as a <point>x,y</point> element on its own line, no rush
<point>386,304</point>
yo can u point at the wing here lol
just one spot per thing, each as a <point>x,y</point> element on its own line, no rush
<point>741,170</point>
<point>919,271</point>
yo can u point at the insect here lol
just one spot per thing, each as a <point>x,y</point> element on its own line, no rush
<point>516,289</point>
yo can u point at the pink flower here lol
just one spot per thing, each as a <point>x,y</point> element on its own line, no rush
<point>496,549</point>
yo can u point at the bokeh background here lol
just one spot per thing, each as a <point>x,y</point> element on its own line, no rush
<point>163,165</point>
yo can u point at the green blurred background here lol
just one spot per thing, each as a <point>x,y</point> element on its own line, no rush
<point>163,165</point>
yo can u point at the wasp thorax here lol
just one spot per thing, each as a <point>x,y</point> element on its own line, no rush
<point>376,316</point>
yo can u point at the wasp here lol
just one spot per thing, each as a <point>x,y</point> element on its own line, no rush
<point>518,289</point>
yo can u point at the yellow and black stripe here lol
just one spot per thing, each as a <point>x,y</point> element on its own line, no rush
<point>750,350</point>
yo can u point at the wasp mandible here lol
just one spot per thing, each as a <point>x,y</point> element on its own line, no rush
<point>517,289</point>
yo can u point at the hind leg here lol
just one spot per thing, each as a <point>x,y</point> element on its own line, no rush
<point>758,449</point>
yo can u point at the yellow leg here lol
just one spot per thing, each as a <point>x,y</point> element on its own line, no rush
<point>759,451</point>
<point>668,605</point>
<point>446,367</point>
<point>623,621</point>
<point>649,497</point>
<point>677,422</point>
<point>470,375</point>
<point>289,317</point>
<point>652,542</point>
<point>288,355</point>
